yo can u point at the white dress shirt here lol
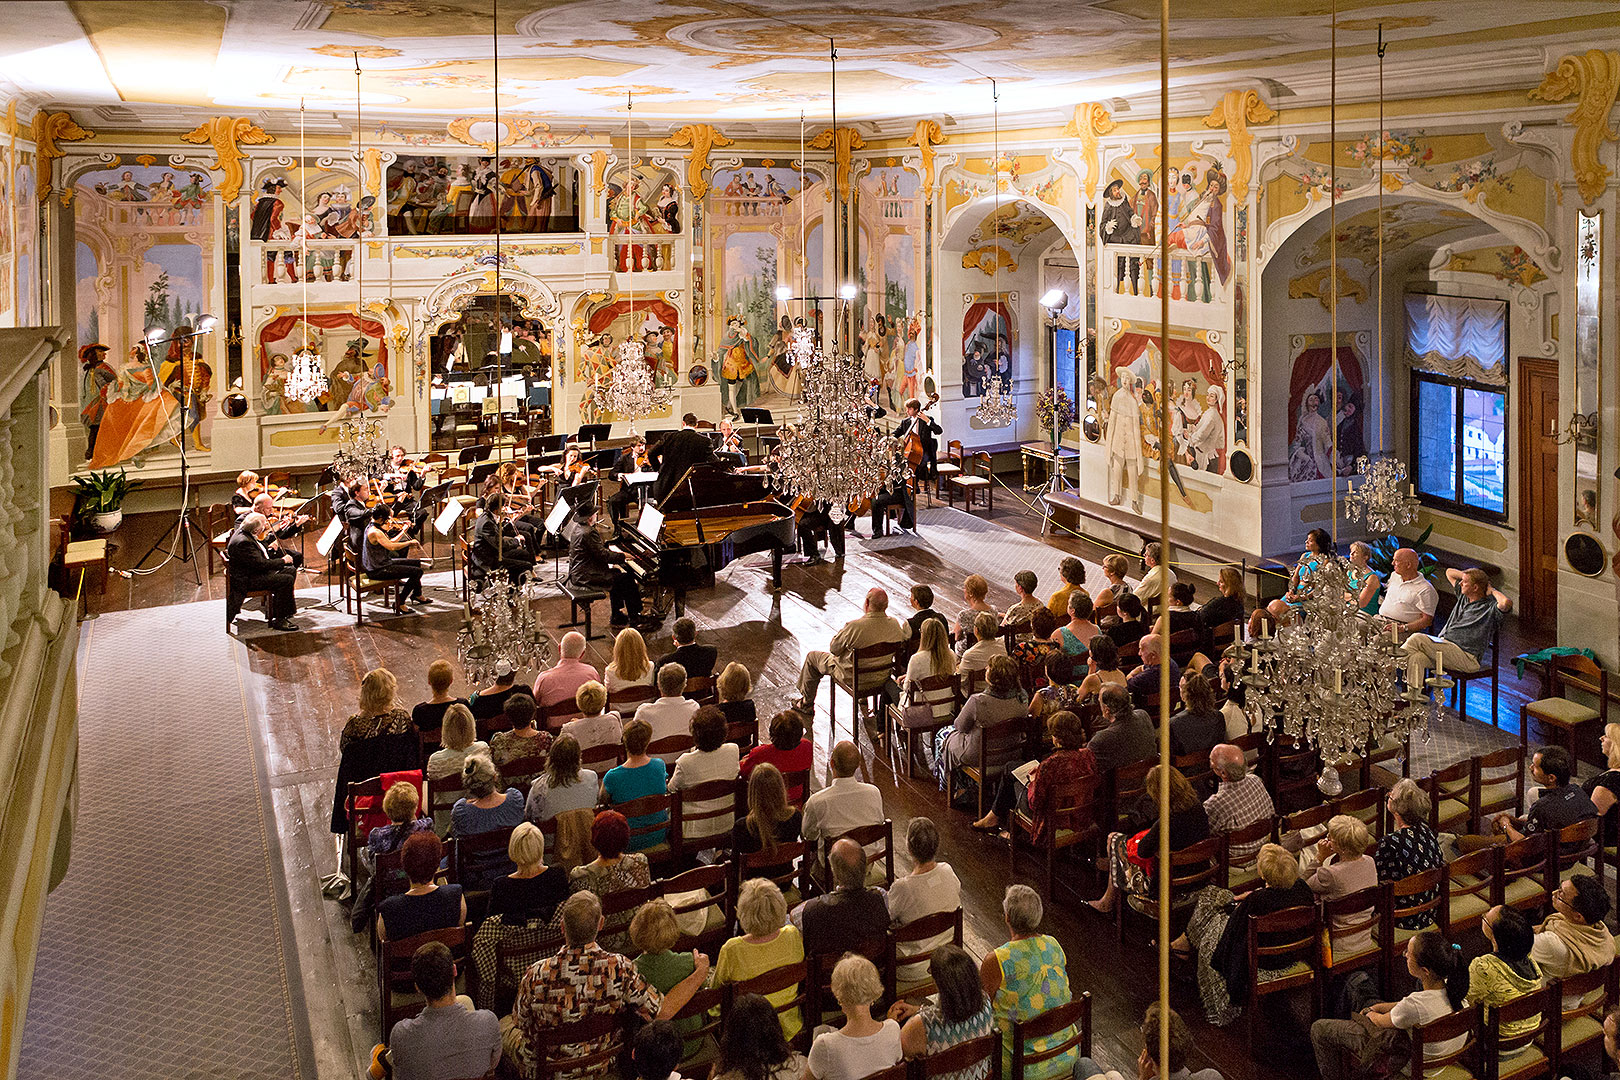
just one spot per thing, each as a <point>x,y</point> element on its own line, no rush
<point>845,804</point>
<point>668,716</point>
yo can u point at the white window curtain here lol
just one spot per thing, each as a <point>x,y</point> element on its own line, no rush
<point>1458,336</point>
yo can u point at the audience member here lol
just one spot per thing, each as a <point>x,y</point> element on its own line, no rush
<point>613,870</point>
<point>864,1045</point>
<point>585,979</point>
<point>1344,867</point>
<point>533,890</point>
<point>1075,635</point>
<point>1024,587</point>
<point>1507,972</point>
<point>428,716</point>
<point>670,713</point>
<point>1102,667</point>
<point>594,726</point>
<point>767,942</point>
<point>698,660</point>
<point>630,665</point>
<point>1071,761</point>
<point>933,656</point>
<point>1183,599</point>
<point>771,822</point>
<point>564,786</point>
<point>1228,606</point>
<point>1349,1048</point>
<point>1199,725</point>
<point>1560,805</point>
<point>654,932</point>
<point>488,702</point>
<point>788,749</point>
<point>1410,598</point>
<point>712,758</point>
<point>960,744</point>
<point>1023,979</point>
<point>1143,683</point>
<point>1318,550</point>
<point>1574,939</point>
<point>931,887</point>
<point>1060,692</point>
<point>377,740</point>
<point>844,804</point>
<point>922,598</point>
<point>448,1037</point>
<point>401,802</point>
<point>1604,788</point>
<point>522,739</point>
<point>1114,569</point>
<point>1148,1066</point>
<point>974,591</point>
<point>986,645</point>
<point>852,914</point>
<point>1132,623</point>
<point>1156,577</point>
<point>1362,578</point>
<point>732,688</point>
<point>1072,572</point>
<point>1033,650</point>
<point>638,777</point>
<point>1240,799</point>
<point>1128,736</point>
<point>558,686</point>
<point>753,1045</point>
<point>1133,872</point>
<point>1409,847</point>
<point>959,1011</point>
<point>459,735</point>
<point>426,905</point>
<point>1468,632</point>
<point>874,627</point>
<point>657,1049</point>
<point>485,808</point>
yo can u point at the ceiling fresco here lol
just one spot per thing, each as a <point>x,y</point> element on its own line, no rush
<point>713,58</point>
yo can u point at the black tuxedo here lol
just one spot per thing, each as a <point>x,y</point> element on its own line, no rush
<point>698,660</point>
<point>676,453</point>
<point>496,545</point>
<point>253,567</point>
<point>817,523</point>
<point>590,566</point>
<point>620,500</point>
<point>929,432</point>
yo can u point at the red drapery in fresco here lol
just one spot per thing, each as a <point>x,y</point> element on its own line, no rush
<point>976,313</point>
<point>603,316</point>
<point>1189,356</point>
<point>1310,367</point>
<point>276,329</point>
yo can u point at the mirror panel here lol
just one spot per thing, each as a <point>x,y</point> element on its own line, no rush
<point>1588,356</point>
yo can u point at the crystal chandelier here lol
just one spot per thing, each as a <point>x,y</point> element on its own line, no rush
<point>362,449</point>
<point>1383,499</point>
<point>306,379</point>
<point>499,626</point>
<point>997,407</point>
<point>629,391</point>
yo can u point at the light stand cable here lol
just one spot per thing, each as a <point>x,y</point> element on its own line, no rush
<point>1333,249</point>
<point>1164,534</point>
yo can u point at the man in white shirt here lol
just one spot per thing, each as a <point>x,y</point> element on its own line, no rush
<point>875,626</point>
<point>846,803</point>
<point>930,888</point>
<point>987,644</point>
<point>669,713</point>
<point>1157,577</point>
<point>1409,597</point>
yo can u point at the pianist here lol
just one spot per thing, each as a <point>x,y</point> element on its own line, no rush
<point>677,452</point>
<point>496,544</point>
<point>592,566</point>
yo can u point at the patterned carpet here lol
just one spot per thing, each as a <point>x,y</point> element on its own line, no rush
<point>165,952</point>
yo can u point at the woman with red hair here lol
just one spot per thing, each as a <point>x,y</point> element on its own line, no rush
<point>613,870</point>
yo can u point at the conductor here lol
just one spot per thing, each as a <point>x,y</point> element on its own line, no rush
<point>677,452</point>
<point>254,568</point>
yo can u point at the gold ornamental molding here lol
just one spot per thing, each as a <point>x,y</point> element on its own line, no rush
<point>927,136</point>
<point>226,135</point>
<point>843,142</point>
<point>510,131</point>
<point>1090,123</point>
<point>8,125</point>
<point>1595,76</point>
<point>703,139</point>
<point>986,258</point>
<point>49,129</point>
<point>599,162</point>
<point>1235,112</point>
<point>371,172</point>
<point>1315,285</point>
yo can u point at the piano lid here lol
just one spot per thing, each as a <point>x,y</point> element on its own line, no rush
<point>710,485</point>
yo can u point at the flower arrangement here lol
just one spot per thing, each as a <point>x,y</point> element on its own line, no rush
<point>1468,178</point>
<point>1054,408</point>
<point>1315,182</point>
<point>1400,147</point>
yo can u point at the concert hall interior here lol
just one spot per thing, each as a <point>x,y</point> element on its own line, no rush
<point>763,540</point>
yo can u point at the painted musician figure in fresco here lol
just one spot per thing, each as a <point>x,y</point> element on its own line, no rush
<point>737,366</point>
<point>189,378</point>
<point>96,376</point>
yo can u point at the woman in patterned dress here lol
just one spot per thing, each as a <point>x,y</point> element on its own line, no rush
<point>1026,977</point>
<point>961,1013</point>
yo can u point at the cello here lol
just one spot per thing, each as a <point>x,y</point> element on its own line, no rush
<point>912,449</point>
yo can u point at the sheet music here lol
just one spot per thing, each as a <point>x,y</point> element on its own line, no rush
<point>333,529</point>
<point>640,478</point>
<point>650,522</point>
<point>555,519</point>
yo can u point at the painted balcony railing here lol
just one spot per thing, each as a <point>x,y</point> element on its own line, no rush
<point>643,252</point>
<point>896,209</point>
<point>1135,270</point>
<point>288,262</point>
<point>148,214</point>
<point>748,206</point>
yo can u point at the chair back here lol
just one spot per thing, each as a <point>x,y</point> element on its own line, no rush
<point>1195,767</point>
<point>1591,991</point>
<point>1195,866</point>
<point>1404,899</point>
<point>922,929</point>
<point>1074,1017</point>
<point>388,877</point>
<point>1462,1024</point>
<point>795,977</point>
<point>1453,784</point>
<point>671,746</point>
<point>789,854</point>
<point>1526,860</point>
<point>874,664</point>
<point>704,813</point>
<point>592,1028</point>
<point>878,948</point>
<point>619,906</point>
<point>512,960</point>
<point>1538,1010</point>
<point>1582,673</point>
<point>1292,934</point>
<point>745,733</point>
<point>962,1058</point>
<point>520,772</point>
<point>1243,854</point>
<point>1576,844</point>
<point>394,972</point>
<point>707,1007</point>
<point>870,837</point>
<point>602,757</point>
<point>655,805</point>
<point>796,781</point>
<point>971,682</point>
<point>1368,805</point>
<point>1500,782</point>
<point>1312,817</point>
<point>1471,883</point>
<point>443,793</point>
<point>939,693</point>
<point>1351,915</point>
<point>1129,783</point>
<point>479,852</point>
<point>716,908</point>
<point>628,697</point>
<point>700,688</point>
<point>1001,747</point>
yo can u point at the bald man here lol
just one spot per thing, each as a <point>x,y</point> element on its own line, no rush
<point>1144,681</point>
<point>846,803</point>
<point>1409,597</point>
<point>851,914</point>
<point>875,626</point>
<point>1239,801</point>
<point>265,506</point>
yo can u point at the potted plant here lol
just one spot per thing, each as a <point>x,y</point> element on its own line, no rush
<point>99,498</point>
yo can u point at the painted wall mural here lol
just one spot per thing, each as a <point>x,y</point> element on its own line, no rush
<point>1200,247</point>
<point>435,194</point>
<point>353,353</point>
<point>988,343</point>
<point>651,205</point>
<point>1311,420</point>
<point>8,226</point>
<point>29,307</point>
<point>607,323</point>
<point>306,219</point>
<point>889,304</point>
<point>1196,399</point>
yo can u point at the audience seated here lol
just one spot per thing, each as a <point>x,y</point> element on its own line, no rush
<point>844,804</point>
<point>653,933</point>
<point>1574,939</point>
<point>670,713</point>
<point>1507,972</point>
<point>1070,760</point>
<point>1132,872</point>
<point>1318,549</point>
<point>1408,847</point>
<point>698,660</point>
<point>378,739</point>
<point>851,914</point>
<point>1147,1064</point>
<point>1026,977</point>
<point>1344,867</point>
<point>1410,598</point>
<point>1467,633</point>
<point>1217,933</point>
<point>753,1045</point>
<point>523,739</point>
<point>1061,692</point>
<point>485,808</point>
<point>712,758</point>
<point>1156,577</point>
<point>959,1011</point>
<point>1363,579</point>
<point>638,777</point>
<point>1116,587</point>
<point>771,820</point>
<point>564,786</point>
<point>732,688</point>
<point>1604,788</point>
<point>788,749</point>
<point>1143,683</point>
<point>1228,606</point>
<point>585,979</point>
<point>1559,805</point>
<point>613,870</point>
<point>1128,738</point>
<point>974,591</point>
<point>933,655</point>
<point>657,1048</point>
<point>448,1037</point>
<point>533,890</point>
<point>487,703</point>
<point>1199,725</point>
<point>1002,700</point>
<point>930,888</point>
<point>986,644</point>
<point>558,686</point>
<point>1376,1040</point>
<point>1072,571</point>
<point>426,905</point>
<point>864,1045</point>
<point>1024,587</point>
<point>922,598</point>
<point>459,737</point>
<point>1075,635</point>
<point>874,627</point>
<point>429,715</point>
<point>401,803</point>
<point>768,942</point>
<point>1102,667</point>
<point>1240,799</point>
<point>1132,621</point>
<point>630,665</point>
<point>597,727</point>
<point>1039,646</point>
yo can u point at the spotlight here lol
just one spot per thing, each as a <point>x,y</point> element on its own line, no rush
<point>847,291</point>
<point>205,324</point>
<point>1055,300</point>
<point>154,334</point>
<point>784,293</point>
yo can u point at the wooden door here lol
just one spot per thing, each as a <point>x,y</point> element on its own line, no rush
<point>1538,493</point>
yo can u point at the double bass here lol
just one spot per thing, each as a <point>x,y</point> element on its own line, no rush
<point>912,449</point>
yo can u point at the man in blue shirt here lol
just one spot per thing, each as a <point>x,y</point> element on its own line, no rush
<point>1467,632</point>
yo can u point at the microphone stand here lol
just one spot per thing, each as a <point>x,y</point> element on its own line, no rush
<point>182,545</point>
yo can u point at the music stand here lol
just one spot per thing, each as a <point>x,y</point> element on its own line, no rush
<point>471,455</point>
<point>482,472</point>
<point>603,460</point>
<point>593,433</point>
<point>756,416</point>
<point>731,458</point>
<point>569,500</point>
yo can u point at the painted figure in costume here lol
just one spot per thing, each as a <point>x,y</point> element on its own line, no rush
<point>127,190</point>
<point>190,378</point>
<point>1114,225</point>
<point>274,390</point>
<point>267,210</point>
<point>1201,231</point>
<point>140,415</point>
<point>1207,437</point>
<point>96,376</point>
<point>1123,441</point>
<point>346,373</point>
<point>1184,413</point>
<point>669,361</point>
<point>481,212</point>
<point>541,190</point>
<point>193,194</point>
<point>738,363</point>
<point>1352,441</point>
<point>910,358</point>
<point>1147,208</point>
<point>1311,456</point>
<point>369,394</point>
<point>669,209</point>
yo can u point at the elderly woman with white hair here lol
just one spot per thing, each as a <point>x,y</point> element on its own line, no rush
<point>768,942</point>
<point>864,1045</point>
<point>1026,977</point>
<point>1344,867</point>
<point>1409,847</point>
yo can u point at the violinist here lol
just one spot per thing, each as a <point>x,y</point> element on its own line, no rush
<point>247,481</point>
<point>403,482</point>
<point>928,431</point>
<point>632,459</point>
<point>280,528</point>
<point>574,468</point>
<point>355,512</point>
<point>730,441</point>
<point>381,559</point>
<point>497,545</point>
<point>520,509</point>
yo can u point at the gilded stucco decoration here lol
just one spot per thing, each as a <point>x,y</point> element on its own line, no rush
<point>510,131</point>
<point>1595,76</point>
<point>703,139</point>
<point>226,135</point>
<point>988,258</point>
<point>843,142</point>
<point>927,136</point>
<point>49,129</point>
<point>371,171</point>
<point>8,125</point>
<point>1316,285</point>
<point>1235,112</point>
<point>1090,123</point>
<point>599,164</point>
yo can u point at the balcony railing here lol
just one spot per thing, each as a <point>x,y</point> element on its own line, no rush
<point>641,253</point>
<point>1135,270</point>
<point>288,262</point>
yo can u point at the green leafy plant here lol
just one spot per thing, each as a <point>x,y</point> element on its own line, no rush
<point>102,492</point>
<point>1382,559</point>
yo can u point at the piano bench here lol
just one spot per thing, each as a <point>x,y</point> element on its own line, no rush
<point>582,596</point>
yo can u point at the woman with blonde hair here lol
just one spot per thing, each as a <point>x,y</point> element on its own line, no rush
<point>533,890</point>
<point>771,821</point>
<point>376,740</point>
<point>733,687</point>
<point>247,481</point>
<point>1133,872</point>
<point>1114,568</point>
<point>864,1045</point>
<point>1343,867</point>
<point>459,737</point>
<point>380,712</point>
<point>1604,788</point>
<point>933,655</point>
<point>768,942</point>
<point>595,726</point>
<point>630,665</point>
<point>653,933</point>
<point>974,590</point>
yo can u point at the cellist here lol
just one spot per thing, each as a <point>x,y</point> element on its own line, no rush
<point>918,425</point>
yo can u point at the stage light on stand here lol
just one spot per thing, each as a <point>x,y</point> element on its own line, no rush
<point>1055,300</point>
<point>204,324</point>
<point>784,293</point>
<point>848,291</point>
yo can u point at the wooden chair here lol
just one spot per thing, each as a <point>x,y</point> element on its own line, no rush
<point>1243,872</point>
<point>1122,788</point>
<point>590,1030</point>
<point>872,667</point>
<point>701,816</point>
<point>717,909</point>
<point>220,521</point>
<point>1417,896</point>
<point>1488,669</point>
<point>397,995</point>
<point>470,854</point>
<point>794,978</point>
<point>355,839</point>
<point>1071,810</point>
<point>1343,918</point>
<point>879,948</point>
<point>1451,796</point>
<point>1291,769</point>
<point>1499,784</point>
<point>707,1006</point>
<point>442,794</point>
<point>1573,846</point>
<point>970,483</point>
<point>602,757</point>
<point>1463,1024</point>
<point>649,806</point>
<point>619,908</point>
<point>235,597</point>
<point>949,467</point>
<point>1302,821</point>
<point>625,699</point>
<point>940,694</point>
<point>1190,870</point>
<point>512,961</point>
<point>972,682</point>
<point>1368,805</point>
<point>357,586</point>
<point>923,929</point>
<point>1557,713</point>
<point>1074,1017</point>
<point>1300,946</point>
<point>1532,1052</point>
<point>867,836</point>
<point>961,1059</point>
<point>1471,883</point>
<point>745,733</point>
<point>700,688</point>
<point>1583,1002</point>
<point>671,746</point>
<point>791,881</point>
<point>1525,870</point>
<point>1001,747</point>
<point>520,772</point>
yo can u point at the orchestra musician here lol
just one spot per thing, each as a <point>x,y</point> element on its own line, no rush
<point>677,452</point>
<point>928,431</point>
<point>574,469</point>
<point>497,544</point>
<point>253,568</point>
<point>520,509</point>
<point>353,508</point>
<point>591,565</point>
<point>380,558</point>
<point>896,493</point>
<point>632,459</point>
<point>730,441</point>
<point>816,525</point>
<point>242,497</point>
<point>280,528</point>
<point>402,480</point>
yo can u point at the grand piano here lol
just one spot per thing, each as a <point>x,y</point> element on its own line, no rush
<point>709,518</point>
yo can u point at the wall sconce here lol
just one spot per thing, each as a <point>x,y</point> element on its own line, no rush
<point>1582,427</point>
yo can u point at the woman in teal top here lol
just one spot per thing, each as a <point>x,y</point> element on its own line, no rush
<point>1364,582</point>
<point>638,777</point>
<point>1026,977</point>
<point>962,1012</point>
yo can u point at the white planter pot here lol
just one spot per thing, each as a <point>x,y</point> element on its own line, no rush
<point>106,523</point>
